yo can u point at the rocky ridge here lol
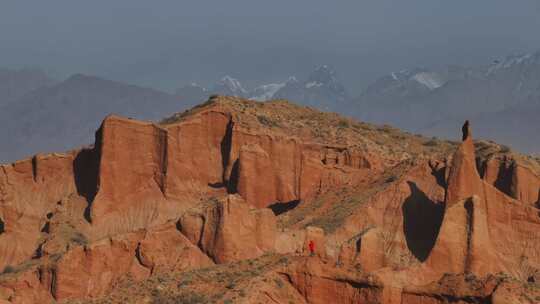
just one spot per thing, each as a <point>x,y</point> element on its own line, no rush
<point>218,203</point>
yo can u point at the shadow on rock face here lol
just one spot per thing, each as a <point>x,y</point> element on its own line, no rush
<point>232,187</point>
<point>86,172</point>
<point>538,201</point>
<point>216,185</point>
<point>504,179</point>
<point>422,219</point>
<point>280,208</point>
<point>1,226</point>
<point>439,175</point>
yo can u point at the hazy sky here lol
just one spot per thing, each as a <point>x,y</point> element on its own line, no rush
<point>166,44</point>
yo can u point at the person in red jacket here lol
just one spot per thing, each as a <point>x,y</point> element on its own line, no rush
<point>311,247</point>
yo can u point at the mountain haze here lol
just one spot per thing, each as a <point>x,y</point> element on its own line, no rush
<point>14,84</point>
<point>66,114</point>
<point>502,98</point>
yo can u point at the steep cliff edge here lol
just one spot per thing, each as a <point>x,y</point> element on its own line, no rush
<point>394,217</point>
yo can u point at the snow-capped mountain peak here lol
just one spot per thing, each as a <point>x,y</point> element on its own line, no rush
<point>510,62</point>
<point>266,92</point>
<point>403,74</point>
<point>312,84</point>
<point>231,85</point>
<point>321,76</point>
<point>429,79</point>
<point>321,89</point>
<point>292,79</point>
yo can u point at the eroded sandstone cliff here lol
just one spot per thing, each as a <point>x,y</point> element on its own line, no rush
<point>237,189</point>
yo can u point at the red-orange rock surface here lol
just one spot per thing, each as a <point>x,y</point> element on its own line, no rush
<point>231,230</point>
<point>512,178</point>
<point>394,217</point>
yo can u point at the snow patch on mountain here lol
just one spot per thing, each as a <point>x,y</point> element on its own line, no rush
<point>196,85</point>
<point>431,80</point>
<point>313,84</point>
<point>266,92</point>
<point>508,62</point>
<point>231,85</point>
<point>321,89</point>
<point>292,80</point>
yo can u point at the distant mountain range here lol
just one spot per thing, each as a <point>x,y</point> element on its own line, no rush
<point>321,89</point>
<point>16,83</point>
<point>65,114</point>
<point>502,99</point>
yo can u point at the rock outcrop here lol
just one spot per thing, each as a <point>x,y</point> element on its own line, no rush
<point>512,178</point>
<point>230,230</point>
<point>391,218</point>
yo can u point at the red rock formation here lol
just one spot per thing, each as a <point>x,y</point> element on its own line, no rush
<point>464,242</point>
<point>319,283</point>
<point>91,271</point>
<point>463,180</point>
<point>365,251</point>
<point>477,228</point>
<point>29,190</point>
<point>197,151</point>
<point>498,172</point>
<point>74,225</point>
<point>453,289</point>
<point>524,183</point>
<point>164,249</point>
<point>131,180</point>
<point>254,183</point>
<point>230,230</point>
<point>512,178</point>
<point>274,169</point>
